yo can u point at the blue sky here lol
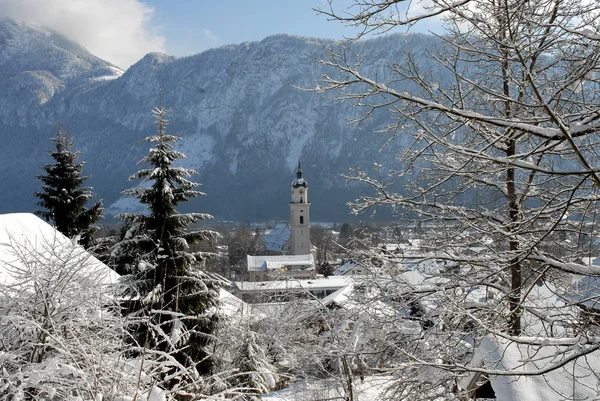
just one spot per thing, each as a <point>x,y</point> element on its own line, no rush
<point>191,26</point>
<point>123,31</point>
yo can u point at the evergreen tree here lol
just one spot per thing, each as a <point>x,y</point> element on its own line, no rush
<point>63,197</point>
<point>259,246</point>
<point>177,309</point>
<point>258,374</point>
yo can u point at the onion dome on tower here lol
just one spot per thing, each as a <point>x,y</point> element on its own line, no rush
<point>299,181</point>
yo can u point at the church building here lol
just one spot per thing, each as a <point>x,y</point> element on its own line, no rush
<point>299,242</point>
<point>296,259</point>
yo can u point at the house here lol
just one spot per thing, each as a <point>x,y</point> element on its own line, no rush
<point>293,241</point>
<point>284,290</point>
<point>348,269</point>
<point>586,296</point>
<point>528,371</point>
<point>27,244</point>
<point>276,238</point>
<point>281,267</point>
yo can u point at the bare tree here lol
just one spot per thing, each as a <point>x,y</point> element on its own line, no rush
<point>240,244</point>
<point>503,165</point>
<point>323,239</point>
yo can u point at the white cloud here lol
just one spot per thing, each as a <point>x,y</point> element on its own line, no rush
<point>210,37</point>
<point>118,31</point>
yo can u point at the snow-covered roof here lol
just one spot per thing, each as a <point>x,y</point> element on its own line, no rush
<point>278,262</point>
<point>331,283</point>
<point>277,237</point>
<point>587,292</point>
<point>364,300</point>
<point>574,380</point>
<point>340,297</point>
<point>28,243</point>
<point>230,304</point>
<point>395,247</point>
<point>346,268</point>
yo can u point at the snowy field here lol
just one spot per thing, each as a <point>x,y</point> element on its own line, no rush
<point>370,389</point>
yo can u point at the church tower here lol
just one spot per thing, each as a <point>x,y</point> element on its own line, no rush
<point>299,243</point>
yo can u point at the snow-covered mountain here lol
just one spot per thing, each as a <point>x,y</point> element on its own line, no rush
<point>243,123</point>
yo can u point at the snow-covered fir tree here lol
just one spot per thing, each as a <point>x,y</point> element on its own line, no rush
<point>176,312</point>
<point>63,197</point>
<point>258,375</point>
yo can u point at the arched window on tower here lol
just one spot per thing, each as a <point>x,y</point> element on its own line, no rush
<point>301,201</point>
<point>301,219</point>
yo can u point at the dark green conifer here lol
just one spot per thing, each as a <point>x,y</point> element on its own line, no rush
<point>177,308</point>
<point>63,197</point>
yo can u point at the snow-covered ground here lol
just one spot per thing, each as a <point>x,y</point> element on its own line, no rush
<point>370,389</point>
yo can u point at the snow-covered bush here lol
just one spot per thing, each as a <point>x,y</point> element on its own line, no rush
<point>257,373</point>
<point>61,333</point>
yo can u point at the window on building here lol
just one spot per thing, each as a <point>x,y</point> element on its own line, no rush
<point>301,219</point>
<point>301,201</point>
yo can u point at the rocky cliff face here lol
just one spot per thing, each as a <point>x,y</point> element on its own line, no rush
<point>243,122</point>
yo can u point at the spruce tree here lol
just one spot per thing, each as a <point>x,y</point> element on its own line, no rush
<point>257,375</point>
<point>177,309</point>
<point>63,197</point>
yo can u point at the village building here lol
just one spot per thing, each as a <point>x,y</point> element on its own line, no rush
<point>276,238</point>
<point>531,378</point>
<point>348,268</point>
<point>293,237</point>
<point>286,290</point>
<point>281,267</point>
<point>27,244</point>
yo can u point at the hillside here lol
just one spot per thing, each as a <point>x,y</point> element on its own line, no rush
<point>243,121</point>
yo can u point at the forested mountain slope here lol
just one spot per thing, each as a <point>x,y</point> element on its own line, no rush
<point>243,121</point>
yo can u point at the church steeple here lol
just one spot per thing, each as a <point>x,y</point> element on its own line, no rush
<point>299,243</point>
<point>299,181</point>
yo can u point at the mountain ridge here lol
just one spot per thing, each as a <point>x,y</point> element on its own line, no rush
<point>242,122</point>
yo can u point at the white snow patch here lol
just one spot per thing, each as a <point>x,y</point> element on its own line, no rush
<point>198,149</point>
<point>372,388</point>
<point>590,32</point>
<point>125,204</point>
<point>338,149</point>
<point>573,380</point>
<point>105,78</point>
<point>296,148</point>
<point>231,305</point>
